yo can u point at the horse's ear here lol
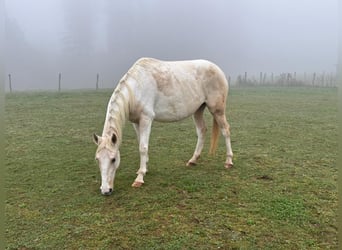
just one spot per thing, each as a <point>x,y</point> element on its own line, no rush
<point>114,138</point>
<point>96,139</point>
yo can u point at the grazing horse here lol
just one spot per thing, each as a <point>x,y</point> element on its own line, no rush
<point>166,92</point>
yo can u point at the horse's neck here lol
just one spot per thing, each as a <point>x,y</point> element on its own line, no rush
<point>117,111</point>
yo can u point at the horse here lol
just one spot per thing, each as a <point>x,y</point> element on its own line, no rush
<point>164,91</point>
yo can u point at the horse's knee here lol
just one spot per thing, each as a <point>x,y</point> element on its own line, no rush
<point>143,149</point>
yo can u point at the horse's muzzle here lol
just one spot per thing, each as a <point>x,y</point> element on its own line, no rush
<point>109,192</point>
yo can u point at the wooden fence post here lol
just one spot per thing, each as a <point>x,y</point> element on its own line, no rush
<point>331,82</point>
<point>59,81</point>
<point>97,81</point>
<point>10,82</point>
<point>313,79</point>
<point>264,78</point>
<point>239,80</point>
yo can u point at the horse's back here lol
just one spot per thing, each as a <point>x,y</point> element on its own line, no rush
<point>194,72</point>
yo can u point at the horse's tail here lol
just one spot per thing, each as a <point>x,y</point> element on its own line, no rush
<point>214,137</point>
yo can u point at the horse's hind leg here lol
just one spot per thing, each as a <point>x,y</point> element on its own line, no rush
<point>200,130</point>
<point>221,120</point>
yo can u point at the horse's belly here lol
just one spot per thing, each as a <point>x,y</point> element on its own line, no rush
<point>167,110</point>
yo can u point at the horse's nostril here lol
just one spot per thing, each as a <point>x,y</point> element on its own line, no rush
<point>110,190</point>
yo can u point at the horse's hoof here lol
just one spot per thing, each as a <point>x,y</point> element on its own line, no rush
<point>190,164</point>
<point>137,184</point>
<point>228,165</point>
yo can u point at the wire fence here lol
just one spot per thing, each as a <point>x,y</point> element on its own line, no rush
<point>264,79</point>
<point>288,79</point>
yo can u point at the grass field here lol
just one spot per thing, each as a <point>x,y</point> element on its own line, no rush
<point>281,193</point>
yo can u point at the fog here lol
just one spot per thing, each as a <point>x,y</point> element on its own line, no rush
<point>83,38</point>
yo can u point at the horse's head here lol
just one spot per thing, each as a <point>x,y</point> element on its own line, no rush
<point>108,158</point>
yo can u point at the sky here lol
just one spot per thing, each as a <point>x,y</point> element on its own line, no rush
<point>82,38</point>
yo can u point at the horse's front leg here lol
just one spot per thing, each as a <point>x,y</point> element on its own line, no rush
<point>144,135</point>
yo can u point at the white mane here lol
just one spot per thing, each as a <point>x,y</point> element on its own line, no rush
<point>118,110</point>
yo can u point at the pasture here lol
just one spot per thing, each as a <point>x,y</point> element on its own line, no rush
<point>280,194</point>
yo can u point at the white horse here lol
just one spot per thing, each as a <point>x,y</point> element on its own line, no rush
<point>167,92</point>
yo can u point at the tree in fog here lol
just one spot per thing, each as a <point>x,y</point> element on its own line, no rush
<point>169,30</point>
<point>81,38</point>
<point>78,38</point>
<point>19,53</point>
<point>77,58</point>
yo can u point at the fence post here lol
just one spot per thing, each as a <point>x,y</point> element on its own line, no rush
<point>288,79</point>
<point>239,80</point>
<point>245,78</point>
<point>313,79</point>
<point>331,80</point>
<point>59,81</point>
<point>10,82</point>
<point>97,81</point>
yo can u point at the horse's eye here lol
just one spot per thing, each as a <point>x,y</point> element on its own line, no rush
<point>113,160</point>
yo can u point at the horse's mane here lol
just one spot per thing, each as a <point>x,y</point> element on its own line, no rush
<point>118,109</point>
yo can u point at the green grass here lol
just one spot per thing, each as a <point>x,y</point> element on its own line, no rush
<point>281,193</point>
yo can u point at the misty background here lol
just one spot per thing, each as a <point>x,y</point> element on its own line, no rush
<point>83,38</point>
